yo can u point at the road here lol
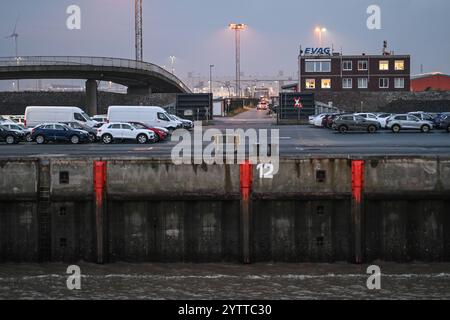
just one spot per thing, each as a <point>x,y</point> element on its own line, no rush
<point>294,141</point>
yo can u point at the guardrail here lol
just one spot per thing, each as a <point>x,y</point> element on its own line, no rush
<point>88,61</point>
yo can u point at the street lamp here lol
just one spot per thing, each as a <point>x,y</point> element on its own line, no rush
<point>319,31</point>
<point>211,66</point>
<point>237,27</point>
<point>172,59</point>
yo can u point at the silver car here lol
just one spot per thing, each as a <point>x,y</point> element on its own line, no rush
<point>401,122</point>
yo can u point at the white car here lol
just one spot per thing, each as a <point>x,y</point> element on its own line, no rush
<point>382,118</point>
<point>401,122</point>
<point>318,120</point>
<point>124,131</point>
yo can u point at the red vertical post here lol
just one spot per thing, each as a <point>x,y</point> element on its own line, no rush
<point>99,190</point>
<point>358,171</point>
<point>246,180</point>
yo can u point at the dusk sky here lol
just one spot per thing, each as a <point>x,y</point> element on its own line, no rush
<point>195,31</point>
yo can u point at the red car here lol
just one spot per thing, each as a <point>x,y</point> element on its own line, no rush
<point>160,135</point>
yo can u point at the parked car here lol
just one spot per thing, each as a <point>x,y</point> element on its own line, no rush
<point>422,116</point>
<point>318,120</point>
<point>10,136</point>
<point>160,134</point>
<point>347,123</point>
<point>92,131</point>
<point>332,118</point>
<point>45,114</point>
<point>148,115</point>
<point>401,122</point>
<point>187,124</point>
<point>117,131</point>
<point>439,118</point>
<point>18,128</point>
<point>58,132</point>
<point>445,123</point>
<point>382,117</point>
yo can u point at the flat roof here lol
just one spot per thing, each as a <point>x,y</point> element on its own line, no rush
<point>380,56</point>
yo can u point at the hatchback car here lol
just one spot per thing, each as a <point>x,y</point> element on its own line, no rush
<point>401,122</point>
<point>355,123</point>
<point>10,136</point>
<point>118,131</point>
<point>58,132</point>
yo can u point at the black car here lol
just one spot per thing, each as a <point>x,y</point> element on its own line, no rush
<point>10,136</point>
<point>58,132</point>
<point>78,126</point>
<point>445,123</point>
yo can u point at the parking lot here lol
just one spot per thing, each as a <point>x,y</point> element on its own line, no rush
<point>294,141</point>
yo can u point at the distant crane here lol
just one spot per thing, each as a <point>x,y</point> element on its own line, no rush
<point>138,29</point>
<point>15,36</point>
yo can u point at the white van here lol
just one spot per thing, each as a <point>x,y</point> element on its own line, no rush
<point>148,115</point>
<point>35,115</point>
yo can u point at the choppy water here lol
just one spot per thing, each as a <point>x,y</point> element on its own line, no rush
<point>224,281</point>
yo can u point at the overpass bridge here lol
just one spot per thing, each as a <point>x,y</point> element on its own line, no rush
<point>139,77</point>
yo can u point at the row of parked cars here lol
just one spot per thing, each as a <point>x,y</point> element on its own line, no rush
<point>372,122</point>
<point>140,124</point>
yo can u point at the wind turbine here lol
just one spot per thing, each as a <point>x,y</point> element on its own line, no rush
<point>14,35</point>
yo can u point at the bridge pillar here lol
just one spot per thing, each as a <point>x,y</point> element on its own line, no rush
<point>91,97</point>
<point>139,90</point>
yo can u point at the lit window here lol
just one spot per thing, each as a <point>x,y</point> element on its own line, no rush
<point>384,83</point>
<point>347,83</point>
<point>399,83</point>
<point>384,65</point>
<point>362,83</point>
<point>326,83</point>
<point>362,65</point>
<point>310,84</point>
<point>399,65</point>
<point>347,65</point>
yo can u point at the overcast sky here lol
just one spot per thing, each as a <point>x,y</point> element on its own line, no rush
<point>195,31</point>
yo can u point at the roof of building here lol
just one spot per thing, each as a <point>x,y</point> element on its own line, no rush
<point>429,75</point>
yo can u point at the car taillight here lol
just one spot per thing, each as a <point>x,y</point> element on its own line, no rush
<point>25,122</point>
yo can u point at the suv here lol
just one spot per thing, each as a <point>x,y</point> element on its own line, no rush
<point>10,136</point>
<point>408,122</point>
<point>58,132</point>
<point>356,123</point>
<point>19,128</point>
<point>78,126</point>
<point>124,131</point>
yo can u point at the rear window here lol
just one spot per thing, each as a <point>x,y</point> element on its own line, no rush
<point>400,118</point>
<point>347,118</point>
<point>114,126</point>
<point>126,127</point>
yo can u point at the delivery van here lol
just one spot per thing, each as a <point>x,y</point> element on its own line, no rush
<point>151,116</point>
<point>35,115</point>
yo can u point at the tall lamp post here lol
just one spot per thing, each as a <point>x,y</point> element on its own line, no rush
<point>211,66</point>
<point>319,31</point>
<point>237,27</point>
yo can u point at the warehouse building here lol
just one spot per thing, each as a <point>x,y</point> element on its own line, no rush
<point>435,81</point>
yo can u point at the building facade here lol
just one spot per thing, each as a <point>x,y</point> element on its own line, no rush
<point>336,72</point>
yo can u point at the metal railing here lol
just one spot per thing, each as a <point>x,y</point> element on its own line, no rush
<point>88,61</point>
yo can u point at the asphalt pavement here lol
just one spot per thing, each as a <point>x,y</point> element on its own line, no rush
<point>294,141</point>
